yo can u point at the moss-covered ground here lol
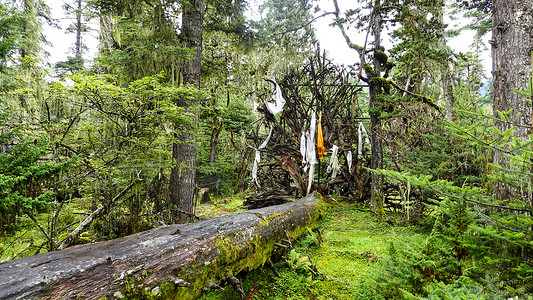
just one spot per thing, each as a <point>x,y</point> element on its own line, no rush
<point>352,243</point>
<point>219,207</point>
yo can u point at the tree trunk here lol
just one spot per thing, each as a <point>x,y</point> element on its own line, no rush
<point>173,262</point>
<point>447,89</point>
<point>105,36</point>
<point>511,58</point>
<point>376,158</point>
<point>79,30</point>
<point>445,70</point>
<point>215,132</point>
<point>182,177</point>
<point>31,31</point>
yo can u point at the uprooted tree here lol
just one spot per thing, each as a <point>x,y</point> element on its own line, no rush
<point>320,88</point>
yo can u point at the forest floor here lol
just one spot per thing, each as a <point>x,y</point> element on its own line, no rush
<point>331,262</point>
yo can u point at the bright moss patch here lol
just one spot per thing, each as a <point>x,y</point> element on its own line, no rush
<point>354,242</point>
<point>219,207</point>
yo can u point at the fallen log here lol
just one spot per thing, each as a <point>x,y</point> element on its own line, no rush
<point>169,262</point>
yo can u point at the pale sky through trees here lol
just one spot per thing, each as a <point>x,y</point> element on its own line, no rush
<point>330,38</point>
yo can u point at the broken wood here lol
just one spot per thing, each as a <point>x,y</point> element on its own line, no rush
<point>318,86</point>
<point>268,198</point>
<point>175,261</point>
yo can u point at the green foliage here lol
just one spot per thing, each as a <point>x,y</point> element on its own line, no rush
<point>340,267</point>
<point>420,49</point>
<point>10,30</point>
<point>228,17</point>
<point>283,22</point>
<point>144,39</point>
<point>229,124</point>
<point>479,14</point>
<point>470,239</point>
<point>125,133</point>
<point>299,262</point>
<point>9,34</point>
<point>116,141</point>
<point>105,142</point>
<point>284,37</point>
<point>24,178</point>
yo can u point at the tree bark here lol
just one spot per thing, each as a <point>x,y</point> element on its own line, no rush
<point>79,30</point>
<point>183,175</point>
<point>215,132</point>
<point>105,36</point>
<point>173,262</point>
<point>445,69</point>
<point>511,42</point>
<point>376,158</point>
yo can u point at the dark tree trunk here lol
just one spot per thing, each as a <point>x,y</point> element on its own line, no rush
<point>376,158</point>
<point>171,262</point>
<point>182,177</point>
<point>215,132</point>
<point>512,44</point>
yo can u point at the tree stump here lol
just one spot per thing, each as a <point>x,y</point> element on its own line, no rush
<point>203,195</point>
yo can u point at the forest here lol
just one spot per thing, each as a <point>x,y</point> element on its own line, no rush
<point>407,175</point>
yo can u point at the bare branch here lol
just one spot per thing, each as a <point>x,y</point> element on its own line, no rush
<point>304,25</point>
<point>91,217</point>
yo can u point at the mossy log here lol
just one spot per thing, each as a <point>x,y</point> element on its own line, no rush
<point>169,262</point>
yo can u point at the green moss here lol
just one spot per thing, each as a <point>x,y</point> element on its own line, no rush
<point>382,81</point>
<point>356,47</point>
<point>266,219</point>
<point>166,287</point>
<point>381,56</point>
<point>428,101</point>
<point>237,253</point>
<point>369,70</point>
<point>236,257</point>
<point>350,234</point>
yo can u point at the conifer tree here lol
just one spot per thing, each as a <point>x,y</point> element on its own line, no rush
<point>79,28</point>
<point>378,12</point>
<point>373,71</point>
<point>183,175</point>
<point>10,21</point>
<point>511,66</point>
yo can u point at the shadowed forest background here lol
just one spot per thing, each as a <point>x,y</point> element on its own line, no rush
<point>193,109</point>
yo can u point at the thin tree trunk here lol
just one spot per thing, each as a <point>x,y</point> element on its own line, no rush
<point>447,90</point>
<point>445,71</point>
<point>182,177</point>
<point>511,58</point>
<point>79,29</point>
<point>215,132</point>
<point>376,158</point>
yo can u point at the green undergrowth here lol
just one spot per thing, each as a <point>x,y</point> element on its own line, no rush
<point>28,238</point>
<point>335,260</point>
<point>22,242</point>
<point>219,207</point>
